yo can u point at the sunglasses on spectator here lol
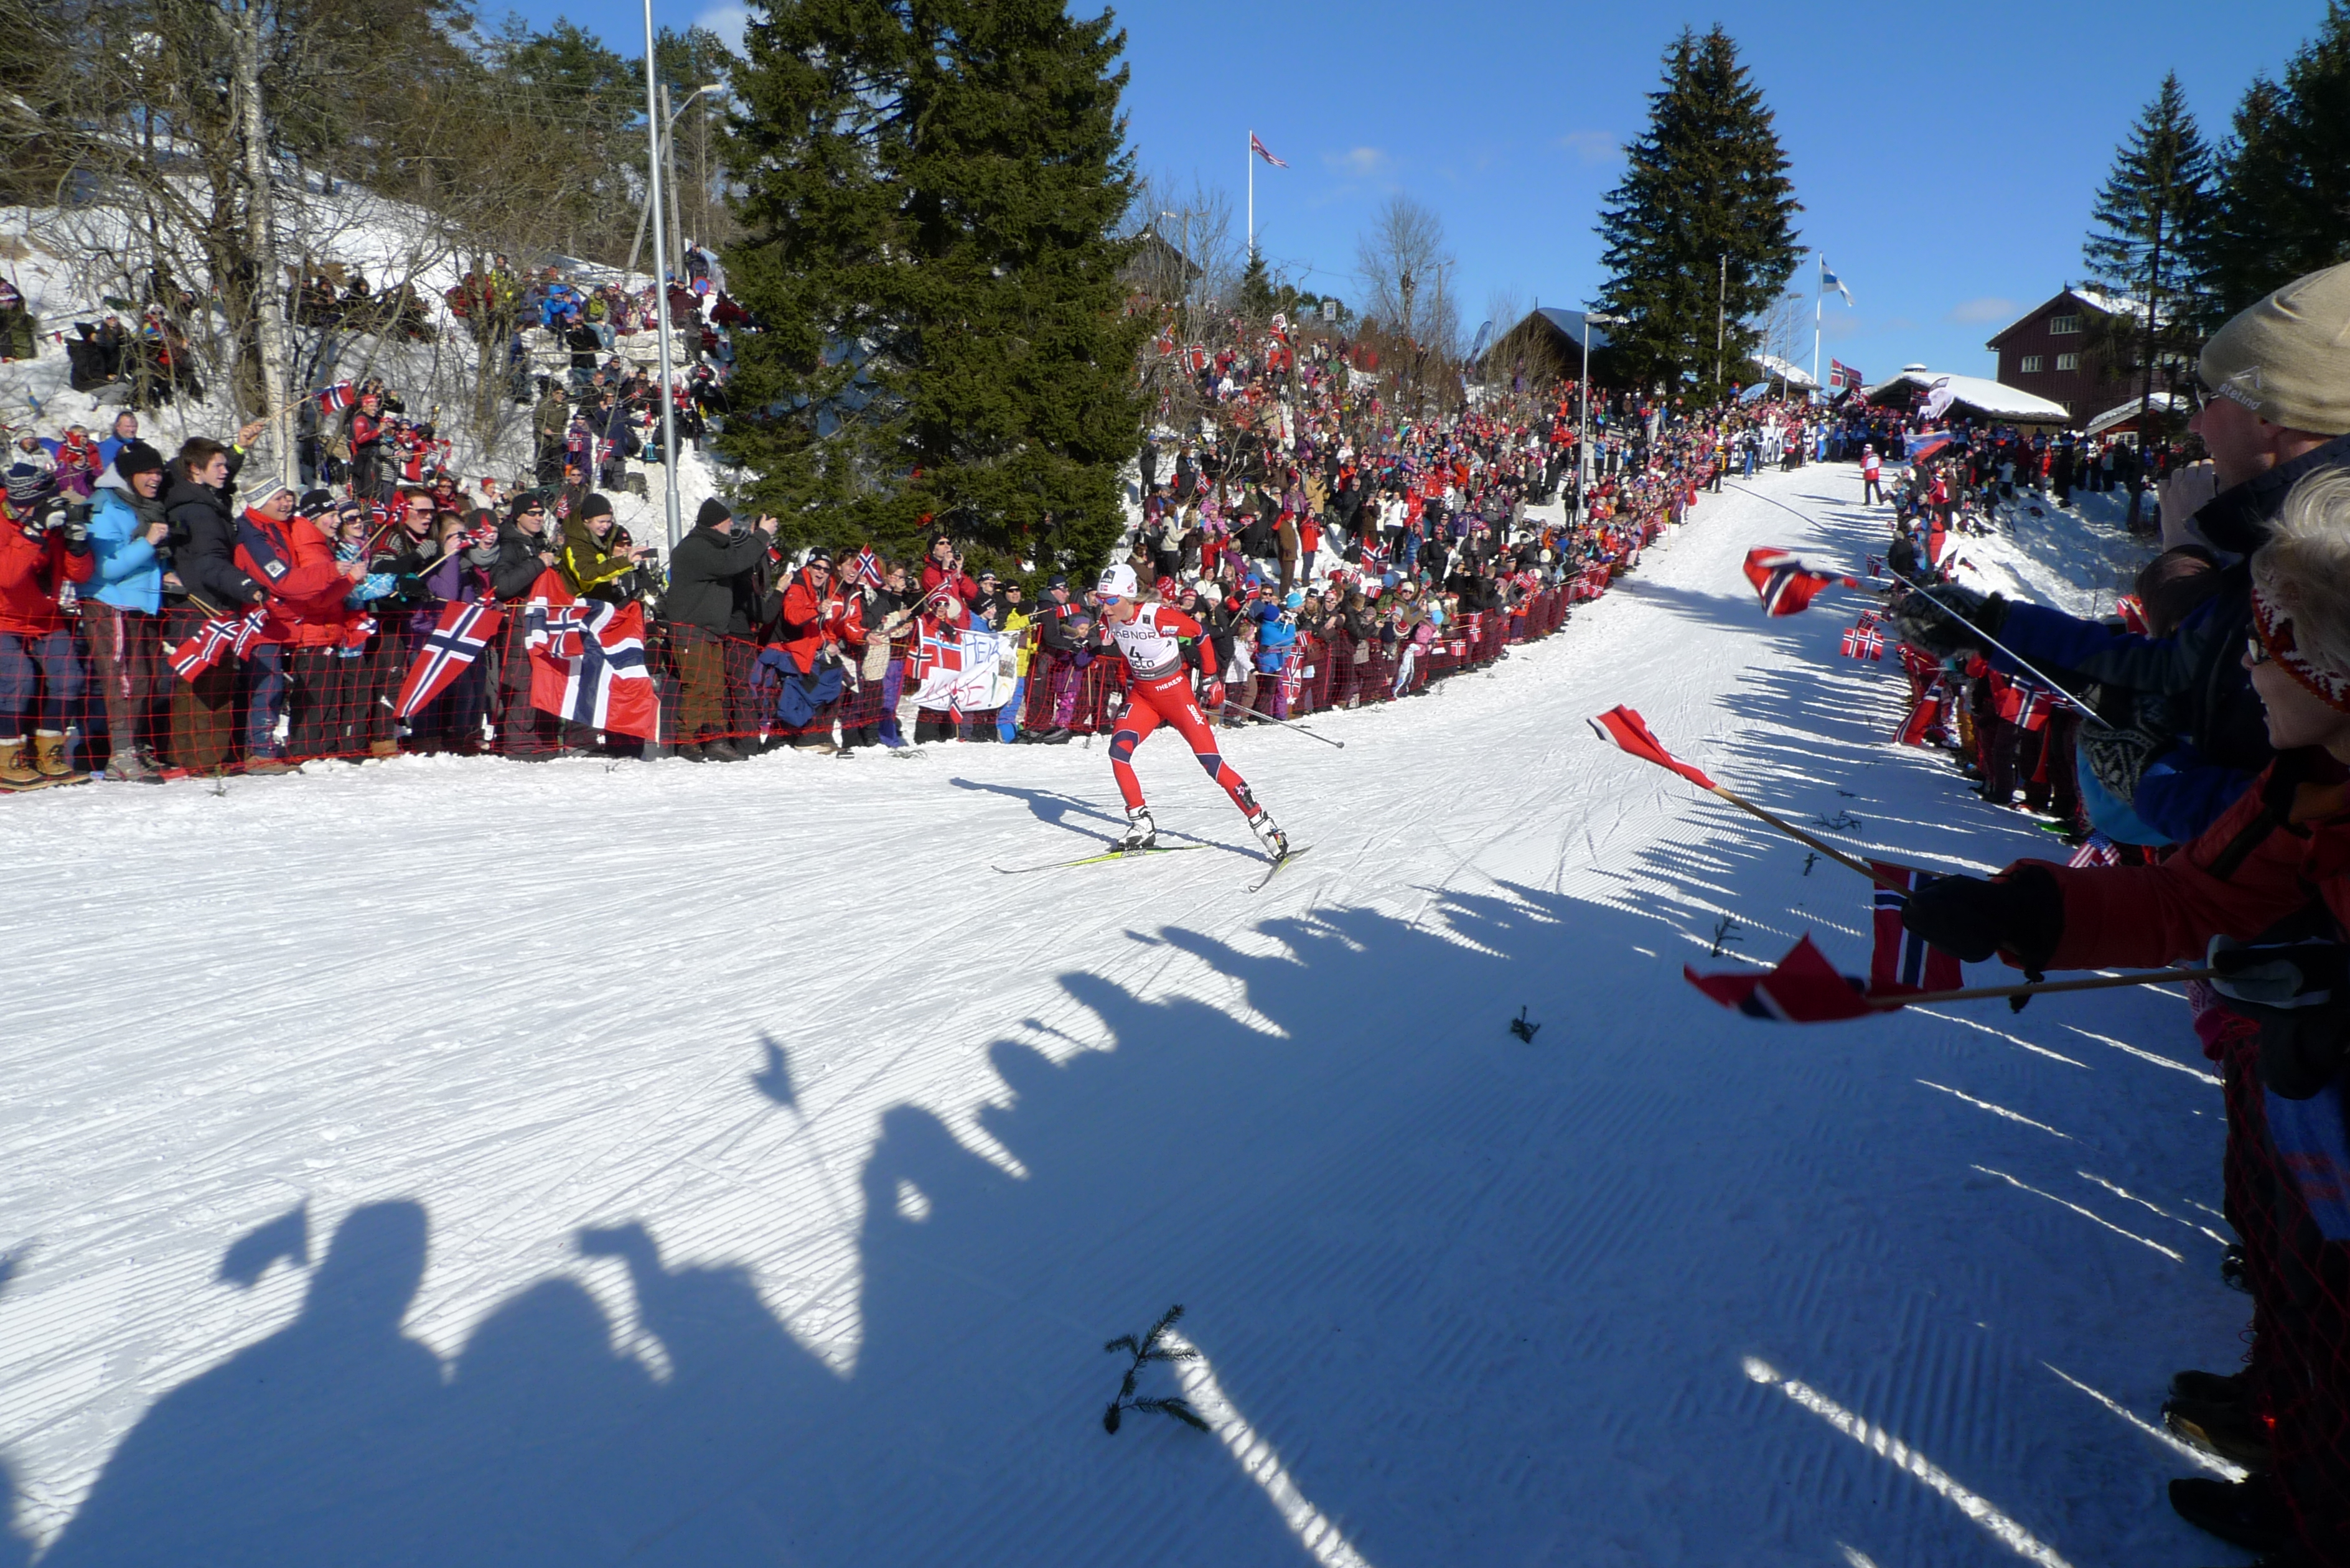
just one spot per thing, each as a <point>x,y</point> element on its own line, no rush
<point>2255,651</point>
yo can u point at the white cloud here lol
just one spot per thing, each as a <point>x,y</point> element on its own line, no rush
<point>1988,308</point>
<point>1361,163</point>
<point>1590,146</point>
<point>727,22</point>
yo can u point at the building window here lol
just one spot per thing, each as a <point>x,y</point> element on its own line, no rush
<point>2068,361</point>
<point>2029,364</point>
<point>2061,326</point>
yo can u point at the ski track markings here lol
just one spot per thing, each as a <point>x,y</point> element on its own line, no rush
<point>1453,1277</point>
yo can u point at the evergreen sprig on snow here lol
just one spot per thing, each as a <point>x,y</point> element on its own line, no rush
<point>1146,1349</point>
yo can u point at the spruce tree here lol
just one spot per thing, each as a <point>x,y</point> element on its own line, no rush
<point>1706,181</point>
<point>2280,196</point>
<point>930,188</point>
<point>2146,226</point>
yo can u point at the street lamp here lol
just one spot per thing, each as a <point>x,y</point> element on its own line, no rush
<point>1583,438</point>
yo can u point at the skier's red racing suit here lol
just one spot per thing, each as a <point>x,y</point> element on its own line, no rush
<point>1159,692</point>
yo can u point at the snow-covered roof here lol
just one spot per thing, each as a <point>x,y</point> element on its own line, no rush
<point>2111,303</point>
<point>1792,375</point>
<point>1570,322</point>
<point>2164,402</point>
<point>1995,399</point>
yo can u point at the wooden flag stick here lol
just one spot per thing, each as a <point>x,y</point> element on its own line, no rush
<point>1800,836</point>
<point>2095,982</point>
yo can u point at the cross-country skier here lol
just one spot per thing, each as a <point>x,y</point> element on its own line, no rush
<point>1159,692</point>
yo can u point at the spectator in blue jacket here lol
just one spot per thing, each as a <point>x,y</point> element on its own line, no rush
<point>122,605</point>
<point>1276,640</point>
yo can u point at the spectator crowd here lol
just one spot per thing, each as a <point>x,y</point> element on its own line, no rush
<point>2195,746</point>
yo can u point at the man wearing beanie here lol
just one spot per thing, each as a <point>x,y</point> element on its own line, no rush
<point>211,586</point>
<point>711,583</point>
<point>122,605</point>
<point>2274,395</point>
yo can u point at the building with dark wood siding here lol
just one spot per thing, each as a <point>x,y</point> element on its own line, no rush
<point>2047,352</point>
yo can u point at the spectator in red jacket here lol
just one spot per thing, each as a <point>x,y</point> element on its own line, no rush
<point>944,569</point>
<point>39,553</point>
<point>288,556</point>
<point>824,638</point>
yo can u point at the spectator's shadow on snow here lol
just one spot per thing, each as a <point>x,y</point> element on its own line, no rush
<point>1483,1295</point>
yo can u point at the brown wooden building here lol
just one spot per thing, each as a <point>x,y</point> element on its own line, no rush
<point>2047,353</point>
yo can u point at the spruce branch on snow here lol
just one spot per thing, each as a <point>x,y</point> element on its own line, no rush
<point>1145,1350</point>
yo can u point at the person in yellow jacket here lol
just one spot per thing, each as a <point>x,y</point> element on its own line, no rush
<point>1014,621</point>
<point>598,557</point>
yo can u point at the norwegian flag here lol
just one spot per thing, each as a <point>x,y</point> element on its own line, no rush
<point>456,640</point>
<point>2026,704</point>
<point>1259,149</point>
<point>865,567</point>
<point>1626,728</point>
<point>1925,716</point>
<point>215,638</point>
<point>2132,610</point>
<point>1804,989</point>
<point>1785,583</point>
<point>1867,619</point>
<point>1901,961</point>
<point>587,661</point>
<point>2095,850</point>
<point>334,399</point>
<point>1876,565</point>
<point>1864,643</point>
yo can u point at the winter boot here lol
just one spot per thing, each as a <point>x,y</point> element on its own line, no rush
<point>2211,1388</point>
<point>2246,1513</point>
<point>718,749</point>
<point>890,735</point>
<point>16,769</point>
<point>382,749</point>
<point>127,766</point>
<point>49,757</point>
<point>1141,833</point>
<point>1268,833</point>
<point>1058,735</point>
<point>2235,1432</point>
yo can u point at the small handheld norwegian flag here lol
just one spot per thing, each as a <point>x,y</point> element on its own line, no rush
<point>1784,582</point>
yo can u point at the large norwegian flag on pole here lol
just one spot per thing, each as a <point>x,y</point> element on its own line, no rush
<point>456,640</point>
<point>587,661</point>
<point>1785,581</point>
<point>1260,150</point>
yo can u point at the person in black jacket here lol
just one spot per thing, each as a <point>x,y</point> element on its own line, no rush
<point>710,578</point>
<point>197,508</point>
<point>525,550</point>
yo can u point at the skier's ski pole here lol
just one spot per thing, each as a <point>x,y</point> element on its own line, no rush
<point>2095,982</point>
<point>2087,711</point>
<point>1230,707</point>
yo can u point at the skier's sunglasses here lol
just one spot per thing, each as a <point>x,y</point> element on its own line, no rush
<point>1109,600</point>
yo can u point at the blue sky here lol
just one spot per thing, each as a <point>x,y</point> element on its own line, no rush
<point>1946,157</point>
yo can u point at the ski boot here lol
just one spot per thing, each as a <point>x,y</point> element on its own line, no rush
<point>1141,833</point>
<point>1268,833</point>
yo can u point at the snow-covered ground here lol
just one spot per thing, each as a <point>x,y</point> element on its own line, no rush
<point>464,1163</point>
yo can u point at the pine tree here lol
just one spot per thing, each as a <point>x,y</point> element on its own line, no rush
<point>930,188</point>
<point>2280,196</point>
<point>1256,300</point>
<point>2146,227</point>
<point>1705,196</point>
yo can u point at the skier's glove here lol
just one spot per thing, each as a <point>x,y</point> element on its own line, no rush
<point>1923,623</point>
<point>2020,912</point>
<point>2296,992</point>
<point>1211,696</point>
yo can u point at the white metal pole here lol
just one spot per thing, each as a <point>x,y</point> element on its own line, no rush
<point>1583,436</point>
<point>653,129</point>
<point>1250,158</point>
<point>1819,305</point>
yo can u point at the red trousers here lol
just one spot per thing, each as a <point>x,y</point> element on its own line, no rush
<point>1167,701</point>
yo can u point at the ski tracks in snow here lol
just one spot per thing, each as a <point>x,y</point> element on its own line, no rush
<point>859,1151</point>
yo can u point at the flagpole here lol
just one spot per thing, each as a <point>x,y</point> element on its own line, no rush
<point>1819,310</point>
<point>2095,982</point>
<point>1250,156</point>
